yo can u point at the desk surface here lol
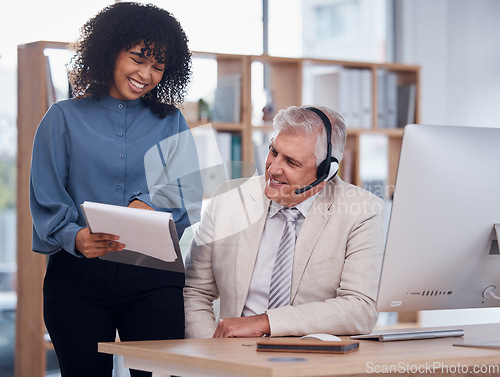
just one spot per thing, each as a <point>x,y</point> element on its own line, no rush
<point>238,357</point>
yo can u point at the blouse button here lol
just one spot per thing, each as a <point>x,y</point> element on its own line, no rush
<point>120,106</point>
<point>119,186</point>
<point>121,156</point>
<point>120,134</point>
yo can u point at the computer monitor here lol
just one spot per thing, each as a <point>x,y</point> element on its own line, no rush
<point>442,244</point>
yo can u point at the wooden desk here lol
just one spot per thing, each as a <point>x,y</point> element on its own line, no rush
<point>238,357</point>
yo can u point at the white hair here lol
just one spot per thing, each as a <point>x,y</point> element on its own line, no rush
<point>302,119</point>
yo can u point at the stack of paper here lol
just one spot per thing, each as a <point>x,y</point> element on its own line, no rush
<point>145,234</point>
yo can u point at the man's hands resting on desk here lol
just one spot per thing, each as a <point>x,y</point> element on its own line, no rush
<point>243,327</point>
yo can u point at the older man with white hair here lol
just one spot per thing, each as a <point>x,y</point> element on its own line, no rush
<point>295,252</point>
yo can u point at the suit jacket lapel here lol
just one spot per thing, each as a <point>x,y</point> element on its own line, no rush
<point>312,228</point>
<point>257,205</point>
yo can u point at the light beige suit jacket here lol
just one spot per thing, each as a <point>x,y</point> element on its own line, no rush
<point>336,269</point>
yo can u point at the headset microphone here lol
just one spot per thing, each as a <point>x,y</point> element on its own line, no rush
<point>329,166</point>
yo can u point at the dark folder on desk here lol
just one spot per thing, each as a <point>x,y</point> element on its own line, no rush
<point>305,345</point>
<point>150,236</point>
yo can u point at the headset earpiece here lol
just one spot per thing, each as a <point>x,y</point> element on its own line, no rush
<point>329,166</point>
<point>323,169</point>
<point>334,168</point>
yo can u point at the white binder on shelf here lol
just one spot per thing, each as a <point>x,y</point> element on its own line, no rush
<point>366,98</point>
<point>391,100</point>
<point>354,84</point>
<point>227,101</point>
<point>381,98</point>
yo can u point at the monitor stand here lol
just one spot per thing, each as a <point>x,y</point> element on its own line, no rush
<point>490,291</point>
<point>495,344</point>
<point>497,231</point>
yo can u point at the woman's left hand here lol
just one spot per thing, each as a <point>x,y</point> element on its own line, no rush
<point>93,245</point>
<point>141,205</point>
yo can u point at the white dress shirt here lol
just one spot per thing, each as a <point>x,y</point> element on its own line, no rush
<point>258,294</point>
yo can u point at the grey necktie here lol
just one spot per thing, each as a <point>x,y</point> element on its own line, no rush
<point>281,279</point>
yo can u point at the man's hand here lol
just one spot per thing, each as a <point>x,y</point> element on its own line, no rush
<point>243,327</point>
<point>138,204</point>
<point>94,245</point>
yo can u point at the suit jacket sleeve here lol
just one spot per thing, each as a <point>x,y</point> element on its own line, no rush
<point>351,307</point>
<point>201,290</point>
<point>222,254</point>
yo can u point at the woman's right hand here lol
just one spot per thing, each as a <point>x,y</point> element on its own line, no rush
<point>93,245</point>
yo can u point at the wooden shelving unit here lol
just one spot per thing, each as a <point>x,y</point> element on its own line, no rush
<point>286,84</point>
<point>31,347</point>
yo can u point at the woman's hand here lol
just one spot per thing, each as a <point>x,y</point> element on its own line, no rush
<point>138,204</point>
<point>93,245</point>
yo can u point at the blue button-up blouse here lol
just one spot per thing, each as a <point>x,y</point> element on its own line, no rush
<point>112,152</point>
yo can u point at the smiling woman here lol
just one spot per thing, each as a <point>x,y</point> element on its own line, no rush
<point>131,69</point>
<point>135,74</point>
<point>109,53</point>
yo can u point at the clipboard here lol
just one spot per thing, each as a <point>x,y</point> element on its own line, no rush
<point>150,236</point>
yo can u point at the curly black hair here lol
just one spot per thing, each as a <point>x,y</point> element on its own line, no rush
<point>119,27</point>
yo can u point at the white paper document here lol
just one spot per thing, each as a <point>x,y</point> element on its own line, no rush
<point>142,231</point>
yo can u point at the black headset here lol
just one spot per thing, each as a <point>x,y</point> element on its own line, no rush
<point>330,165</point>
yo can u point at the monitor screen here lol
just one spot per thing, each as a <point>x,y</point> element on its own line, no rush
<point>442,247</point>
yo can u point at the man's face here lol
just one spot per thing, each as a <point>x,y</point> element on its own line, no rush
<point>291,165</point>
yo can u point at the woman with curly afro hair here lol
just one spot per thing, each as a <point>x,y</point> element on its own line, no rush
<point>121,141</point>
